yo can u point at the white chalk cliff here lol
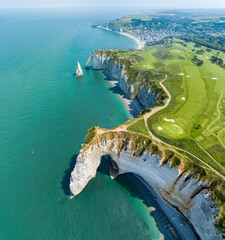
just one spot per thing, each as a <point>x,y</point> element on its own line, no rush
<point>179,190</point>
<point>116,71</point>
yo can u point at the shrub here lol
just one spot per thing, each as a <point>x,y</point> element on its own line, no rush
<point>175,161</point>
<point>90,135</point>
<point>147,110</point>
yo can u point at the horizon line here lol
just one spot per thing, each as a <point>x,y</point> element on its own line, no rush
<point>105,6</point>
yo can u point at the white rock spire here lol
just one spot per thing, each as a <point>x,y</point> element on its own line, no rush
<point>79,71</point>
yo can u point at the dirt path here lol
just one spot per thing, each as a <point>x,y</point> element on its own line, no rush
<point>157,109</point>
<point>123,128</point>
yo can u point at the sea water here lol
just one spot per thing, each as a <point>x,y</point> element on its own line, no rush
<point>44,116</point>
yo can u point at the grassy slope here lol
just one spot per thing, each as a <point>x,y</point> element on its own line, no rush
<point>149,59</point>
<point>139,127</point>
<point>202,95</point>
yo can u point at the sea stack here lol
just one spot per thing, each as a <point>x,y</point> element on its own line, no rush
<point>79,71</point>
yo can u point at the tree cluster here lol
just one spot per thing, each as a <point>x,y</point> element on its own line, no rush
<point>197,61</point>
<point>218,61</point>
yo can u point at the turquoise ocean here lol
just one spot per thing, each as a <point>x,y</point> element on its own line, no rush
<point>44,115</point>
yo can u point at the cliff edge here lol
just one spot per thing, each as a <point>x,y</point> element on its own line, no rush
<point>132,153</point>
<point>117,70</point>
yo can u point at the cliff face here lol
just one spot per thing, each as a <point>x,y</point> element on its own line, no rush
<point>117,72</point>
<point>183,192</point>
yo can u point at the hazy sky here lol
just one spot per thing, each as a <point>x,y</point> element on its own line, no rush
<point>116,3</point>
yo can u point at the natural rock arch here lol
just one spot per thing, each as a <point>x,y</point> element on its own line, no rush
<point>179,190</point>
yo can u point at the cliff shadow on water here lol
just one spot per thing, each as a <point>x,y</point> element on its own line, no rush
<point>146,194</point>
<point>67,174</point>
<point>150,199</point>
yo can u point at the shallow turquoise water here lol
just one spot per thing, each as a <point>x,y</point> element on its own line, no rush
<point>45,110</point>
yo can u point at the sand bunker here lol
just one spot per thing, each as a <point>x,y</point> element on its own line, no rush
<point>214,78</point>
<point>183,98</point>
<point>181,74</point>
<point>188,76</point>
<point>207,57</point>
<point>159,128</point>
<point>169,120</point>
<point>147,66</point>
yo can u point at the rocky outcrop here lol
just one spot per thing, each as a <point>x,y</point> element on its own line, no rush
<point>79,71</point>
<point>88,61</point>
<point>116,71</point>
<point>179,190</point>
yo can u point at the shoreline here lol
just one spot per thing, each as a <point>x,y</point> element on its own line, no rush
<point>182,225</point>
<point>132,105</point>
<point>140,43</point>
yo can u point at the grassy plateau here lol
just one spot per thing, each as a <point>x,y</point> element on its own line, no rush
<point>195,118</point>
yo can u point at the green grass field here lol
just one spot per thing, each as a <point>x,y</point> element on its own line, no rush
<point>197,109</point>
<point>139,127</point>
<point>195,118</point>
<point>149,59</point>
